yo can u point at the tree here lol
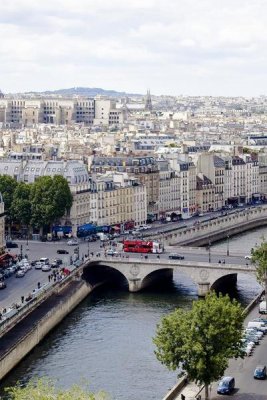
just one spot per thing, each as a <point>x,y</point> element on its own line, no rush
<point>44,389</point>
<point>21,203</point>
<point>200,342</point>
<point>7,188</point>
<point>50,199</point>
<point>259,258</point>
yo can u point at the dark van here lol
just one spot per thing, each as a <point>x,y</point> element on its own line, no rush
<point>226,385</point>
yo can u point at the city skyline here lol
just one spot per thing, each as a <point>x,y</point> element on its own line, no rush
<point>173,48</point>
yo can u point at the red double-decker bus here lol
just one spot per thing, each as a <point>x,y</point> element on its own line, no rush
<point>141,246</point>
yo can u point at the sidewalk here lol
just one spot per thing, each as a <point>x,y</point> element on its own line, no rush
<point>190,392</point>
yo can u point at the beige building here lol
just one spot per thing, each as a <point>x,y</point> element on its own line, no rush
<point>59,111</point>
<point>117,199</point>
<point>205,194</point>
<point>169,191</point>
<point>213,167</point>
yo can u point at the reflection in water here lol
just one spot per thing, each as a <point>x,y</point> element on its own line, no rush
<point>107,339</point>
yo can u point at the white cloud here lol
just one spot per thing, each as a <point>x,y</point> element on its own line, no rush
<point>171,46</point>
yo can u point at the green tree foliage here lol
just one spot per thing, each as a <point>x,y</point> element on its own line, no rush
<point>259,258</point>
<point>7,188</point>
<point>44,389</point>
<point>201,341</point>
<point>50,198</point>
<point>21,203</point>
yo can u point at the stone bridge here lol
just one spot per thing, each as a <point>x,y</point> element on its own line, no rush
<point>215,229</point>
<point>140,274</point>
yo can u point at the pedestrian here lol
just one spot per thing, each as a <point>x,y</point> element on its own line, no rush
<point>22,299</point>
<point>49,278</point>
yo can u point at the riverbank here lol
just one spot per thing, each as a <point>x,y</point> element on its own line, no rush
<point>29,330</point>
<point>191,390</point>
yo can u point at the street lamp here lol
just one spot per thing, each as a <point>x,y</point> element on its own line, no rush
<point>209,251</point>
<point>228,237</point>
<point>21,250</point>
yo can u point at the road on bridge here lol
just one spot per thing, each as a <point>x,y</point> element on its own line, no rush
<point>17,287</point>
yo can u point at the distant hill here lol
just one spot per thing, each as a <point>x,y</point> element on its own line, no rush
<point>83,91</point>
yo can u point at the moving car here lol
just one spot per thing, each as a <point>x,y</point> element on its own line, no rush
<point>176,256</point>
<point>2,284</point>
<point>260,372</point>
<point>11,245</point>
<point>46,268</point>
<point>248,257</point>
<point>62,251</point>
<point>111,252</point>
<point>226,385</point>
<point>72,242</point>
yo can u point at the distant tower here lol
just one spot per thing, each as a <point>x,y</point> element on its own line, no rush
<point>148,104</point>
<point>1,94</point>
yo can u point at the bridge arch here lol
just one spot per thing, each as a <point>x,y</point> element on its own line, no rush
<point>98,273</point>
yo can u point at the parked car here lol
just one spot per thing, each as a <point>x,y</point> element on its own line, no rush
<point>248,257</point>
<point>20,274</point>
<point>260,372</point>
<point>62,251</point>
<point>46,268</point>
<point>226,385</point>
<point>176,256</point>
<point>2,284</point>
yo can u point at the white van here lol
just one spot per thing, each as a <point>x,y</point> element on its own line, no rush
<point>44,260</point>
<point>262,307</point>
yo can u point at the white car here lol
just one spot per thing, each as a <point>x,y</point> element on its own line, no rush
<point>46,268</point>
<point>248,257</point>
<point>38,265</point>
<point>72,242</point>
<point>111,252</point>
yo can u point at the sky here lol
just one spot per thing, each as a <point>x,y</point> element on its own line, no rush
<point>172,47</point>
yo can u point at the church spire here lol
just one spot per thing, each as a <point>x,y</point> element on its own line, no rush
<point>148,103</point>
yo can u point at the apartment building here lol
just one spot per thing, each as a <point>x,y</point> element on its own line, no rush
<point>213,167</point>
<point>74,172</point>
<point>117,199</point>
<point>20,112</point>
<point>143,168</point>
<point>205,194</point>
<point>169,201</point>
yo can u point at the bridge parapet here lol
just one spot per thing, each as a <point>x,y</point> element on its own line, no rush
<point>219,228</point>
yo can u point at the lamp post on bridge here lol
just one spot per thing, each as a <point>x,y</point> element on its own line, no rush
<point>227,252</point>
<point>209,251</point>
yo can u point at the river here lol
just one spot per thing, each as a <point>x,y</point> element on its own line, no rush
<point>107,339</point>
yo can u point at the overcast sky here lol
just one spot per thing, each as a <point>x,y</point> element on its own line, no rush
<point>190,47</point>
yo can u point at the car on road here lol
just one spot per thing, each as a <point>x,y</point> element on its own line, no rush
<point>72,242</point>
<point>20,274</point>
<point>46,268</point>
<point>248,257</point>
<point>111,252</point>
<point>11,245</point>
<point>226,385</point>
<point>62,251</point>
<point>260,372</point>
<point>2,284</point>
<point>176,256</point>
<point>38,265</point>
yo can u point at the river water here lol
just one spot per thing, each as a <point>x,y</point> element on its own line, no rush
<point>107,339</point>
